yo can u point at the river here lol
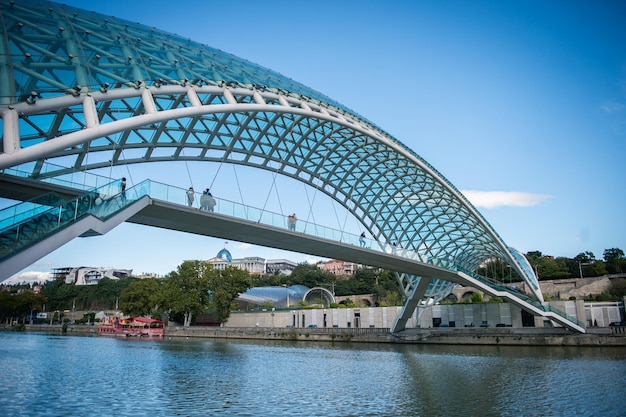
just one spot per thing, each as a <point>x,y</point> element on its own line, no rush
<point>57,375</point>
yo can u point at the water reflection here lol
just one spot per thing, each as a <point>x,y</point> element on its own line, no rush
<point>98,376</point>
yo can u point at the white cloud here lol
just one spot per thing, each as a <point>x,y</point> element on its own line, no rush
<point>612,107</point>
<point>497,199</point>
<point>28,277</point>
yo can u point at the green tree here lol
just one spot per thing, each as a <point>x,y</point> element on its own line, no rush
<point>310,276</point>
<point>614,259</point>
<point>533,256</point>
<point>585,257</point>
<point>226,285</point>
<point>387,291</point>
<point>476,297</point>
<point>549,268</point>
<point>186,290</point>
<point>19,306</point>
<point>141,298</point>
<point>613,253</point>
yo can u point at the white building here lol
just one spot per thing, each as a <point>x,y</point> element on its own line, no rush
<point>279,266</point>
<point>86,275</point>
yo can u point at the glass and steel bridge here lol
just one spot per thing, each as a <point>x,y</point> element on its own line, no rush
<point>81,91</point>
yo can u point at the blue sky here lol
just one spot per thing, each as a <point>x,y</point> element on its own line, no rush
<point>520,104</point>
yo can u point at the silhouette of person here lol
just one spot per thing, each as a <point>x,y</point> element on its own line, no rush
<point>190,196</point>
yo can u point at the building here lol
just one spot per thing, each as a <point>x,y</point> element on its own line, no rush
<point>252,264</point>
<point>340,267</point>
<point>279,266</point>
<point>86,275</point>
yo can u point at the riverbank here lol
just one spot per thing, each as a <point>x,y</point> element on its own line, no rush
<point>447,336</point>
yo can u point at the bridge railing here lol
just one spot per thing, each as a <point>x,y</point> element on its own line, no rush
<point>28,209</point>
<point>178,195</point>
<point>78,180</point>
<point>27,223</point>
<point>498,286</point>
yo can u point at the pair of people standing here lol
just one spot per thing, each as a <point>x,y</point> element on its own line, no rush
<point>207,202</point>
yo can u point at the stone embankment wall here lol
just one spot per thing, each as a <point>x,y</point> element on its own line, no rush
<point>449,336</point>
<point>607,337</point>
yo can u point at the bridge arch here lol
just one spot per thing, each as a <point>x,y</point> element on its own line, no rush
<point>83,91</point>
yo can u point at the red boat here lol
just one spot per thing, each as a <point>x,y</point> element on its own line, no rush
<point>131,327</point>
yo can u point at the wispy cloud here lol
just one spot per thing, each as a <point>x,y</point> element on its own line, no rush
<point>497,199</point>
<point>612,106</point>
<point>28,277</point>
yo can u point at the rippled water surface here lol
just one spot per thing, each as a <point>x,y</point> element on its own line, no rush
<point>53,375</point>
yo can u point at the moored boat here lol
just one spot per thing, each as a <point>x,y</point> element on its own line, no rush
<point>131,327</point>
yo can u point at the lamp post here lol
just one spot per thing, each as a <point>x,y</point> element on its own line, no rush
<point>580,268</point>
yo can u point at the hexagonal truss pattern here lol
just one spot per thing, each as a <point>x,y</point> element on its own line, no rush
<point>86,91</point>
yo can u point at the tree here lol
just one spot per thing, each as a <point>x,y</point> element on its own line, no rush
<point>141,298</point>
<point>476,298</point>
<point>311,276</point>
<point>612,254</point>
<point>549,268</point>
<point>225,286</point>
<point>533,256</point>
<point>186,290</point>
<point>614,259</point>
<point>585,257</point>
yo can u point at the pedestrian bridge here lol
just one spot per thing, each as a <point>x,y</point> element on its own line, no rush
<point>80,91</point>
<point>33,229</point>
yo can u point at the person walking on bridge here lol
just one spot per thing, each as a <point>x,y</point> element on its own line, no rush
<point>123,189</point>
<point>190,197</point>
<point>362,240</point>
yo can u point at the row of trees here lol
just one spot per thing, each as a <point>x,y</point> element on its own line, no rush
<point>547,267</point>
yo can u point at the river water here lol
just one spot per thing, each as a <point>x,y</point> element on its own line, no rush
<point>55,375</point>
